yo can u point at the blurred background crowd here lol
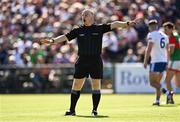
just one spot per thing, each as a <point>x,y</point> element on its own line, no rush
<point>24,22</point>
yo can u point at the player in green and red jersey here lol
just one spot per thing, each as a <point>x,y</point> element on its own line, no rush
<point>174,63</point>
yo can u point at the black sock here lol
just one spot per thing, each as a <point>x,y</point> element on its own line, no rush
<point>96,95</point>
<point>74,98</point>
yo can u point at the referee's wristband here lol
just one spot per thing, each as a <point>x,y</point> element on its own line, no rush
<point>51,40</point>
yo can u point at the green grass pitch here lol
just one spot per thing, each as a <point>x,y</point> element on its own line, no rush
<point>113,108</point>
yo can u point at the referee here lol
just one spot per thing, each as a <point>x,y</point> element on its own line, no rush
<point>89,40</point>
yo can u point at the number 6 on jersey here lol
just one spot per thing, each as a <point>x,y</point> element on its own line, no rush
<point>162,43</point>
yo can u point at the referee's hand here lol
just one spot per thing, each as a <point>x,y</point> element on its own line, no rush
<point>46,41</point>
<point>131,23</point>
<point>134,22</point>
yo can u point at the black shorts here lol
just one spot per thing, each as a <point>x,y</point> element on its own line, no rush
<point>89,66</point>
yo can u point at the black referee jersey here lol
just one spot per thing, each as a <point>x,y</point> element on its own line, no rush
<point>89,38</point>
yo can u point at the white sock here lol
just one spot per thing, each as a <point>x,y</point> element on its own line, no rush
<point>157,101</point>
<point>167,92</point>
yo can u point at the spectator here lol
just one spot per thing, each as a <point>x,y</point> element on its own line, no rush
<point>130,57</point>
<point>25,22</point>
<point>3,54</point>
<point>111,43</point>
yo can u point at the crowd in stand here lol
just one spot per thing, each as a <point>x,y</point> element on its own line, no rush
<point>24,22</point>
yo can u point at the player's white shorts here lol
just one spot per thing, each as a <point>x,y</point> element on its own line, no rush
<point>174,65</point>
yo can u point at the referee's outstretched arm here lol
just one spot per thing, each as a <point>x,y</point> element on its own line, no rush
<point>58,39</point>
<point>120,24</point>
<point>62,38</point>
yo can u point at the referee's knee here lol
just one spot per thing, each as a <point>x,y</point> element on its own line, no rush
<point>77,84</point>
<point>96,84</point>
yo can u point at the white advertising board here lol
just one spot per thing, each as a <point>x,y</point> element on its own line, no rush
<point>132,78</point>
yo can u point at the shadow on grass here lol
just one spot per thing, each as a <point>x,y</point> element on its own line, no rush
<point>178,104</point>
<point>169,105</point>
<point>99,116</point>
